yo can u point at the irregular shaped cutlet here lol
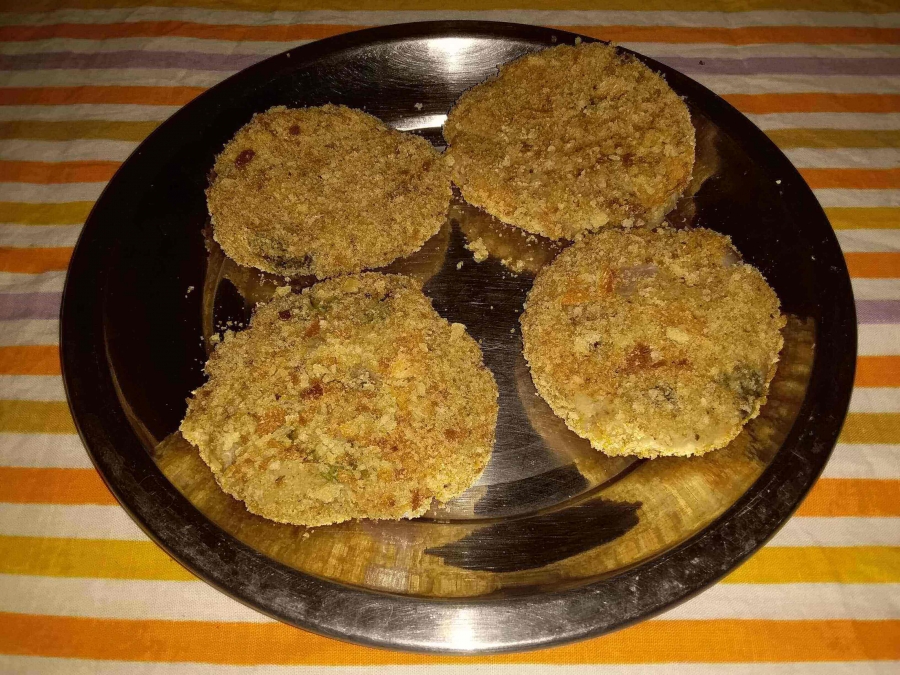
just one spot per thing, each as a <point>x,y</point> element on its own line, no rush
<point>325,191</point>
<point>572,139</point>
<point>354,399</point>
<point>653,343</point>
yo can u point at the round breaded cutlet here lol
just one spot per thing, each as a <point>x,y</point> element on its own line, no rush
<point>653,343</point>
<point>352,399</point>
<point>572,139</point>
<point>325,191</point>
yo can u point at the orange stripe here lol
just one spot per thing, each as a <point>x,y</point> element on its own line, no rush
<point>34,260</point>
<point>749,103</point>
<point>875,179</point>
<point>782,103</point>
<point>98,94</point>
<point>836,497</point>
<point>20,485</point>
<point>720,641</point>
<point>29,360</point>
<point>101,171</point>
<point>57,172</point>
<point>852,497</point>
<point>288,33</point>
<point>873,265</point>
<point>877,371</point>
<point>741,36</point>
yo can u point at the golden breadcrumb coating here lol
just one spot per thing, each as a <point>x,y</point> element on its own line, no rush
<point>325,191</point>
<point>571,139</point>
<point>352,399</point>
<point>653,343</point>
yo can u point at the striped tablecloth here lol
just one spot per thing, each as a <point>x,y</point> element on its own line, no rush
<point>83,81</point>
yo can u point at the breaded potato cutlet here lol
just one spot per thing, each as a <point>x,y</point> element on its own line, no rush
<point>653,343</point>
<point>352,399</point>
<point>572,139</point>
<point>325,191</point>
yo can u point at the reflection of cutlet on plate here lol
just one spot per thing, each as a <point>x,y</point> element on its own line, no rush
<point>325,191</point>
<point>518,250</point>
<point>571,139</point>
<point>352,399</point>
<point>652,343</point>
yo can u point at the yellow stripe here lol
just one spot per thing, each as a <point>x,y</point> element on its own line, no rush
<point>77,130</point>
<point>36,417</point>
<point>53,417</point>
<point>876,218</point>
<point>871,428</point>
<point>64,213</point>
<point>872,6</point>
<point>845,565</point>
<point>835,138</point>
<point>254,644</point>
<point>101,559</point>
<point>113,559</point>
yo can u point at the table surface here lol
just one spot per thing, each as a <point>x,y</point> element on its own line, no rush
<point>82,82</point>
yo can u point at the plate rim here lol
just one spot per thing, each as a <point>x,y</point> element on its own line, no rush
<point>141,489</point>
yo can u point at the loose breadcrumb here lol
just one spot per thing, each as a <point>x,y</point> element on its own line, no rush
<point>653,343</point>
<point>572,139</point>
<point>353,399</point>
<point>478,249</point>
<point>325,191</point>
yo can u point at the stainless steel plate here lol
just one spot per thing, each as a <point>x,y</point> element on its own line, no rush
<point>556,542</point>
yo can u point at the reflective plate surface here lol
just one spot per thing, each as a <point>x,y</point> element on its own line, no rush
<point>556,542</point>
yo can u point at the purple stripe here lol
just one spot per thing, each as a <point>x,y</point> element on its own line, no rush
<point>878,311</point>
<point>784,66</point>
<point>129,59</point>
<point>234,62</point>
<point>29,306</point>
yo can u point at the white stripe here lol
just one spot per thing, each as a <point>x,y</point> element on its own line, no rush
<point>184,77</point>
<point>64,451</point>
<point>27,150</point>
<point>46,282</point>
<point>53,193</point>
<point>788,84</point>
<point>846,197</point>
<point>862,158</point>
<point>540,17</point>
<point>78,522</point>
<point>112,523</point>
<point>714,50</point>
<point>32,388</point>
<point>117,112</point>
<point>875,400</point>
<point>869,240</point>
<point>879,339</point>
<point>831,532</point>
<point>197,601</point>
<point>789,602</point>
<point>29,665</point>
<point>141,77</point>
<point>858,460</point>
<point>29,332</point>
<point>823,120</point>
<point>876,289</point>
<point>39,235</point>
<point>268,48</point>
<point>121,599</point>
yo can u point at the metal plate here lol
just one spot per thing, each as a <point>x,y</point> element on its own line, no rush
<point>556,542</point>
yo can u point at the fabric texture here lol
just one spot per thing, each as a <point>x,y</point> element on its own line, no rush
<point>82,82</point>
